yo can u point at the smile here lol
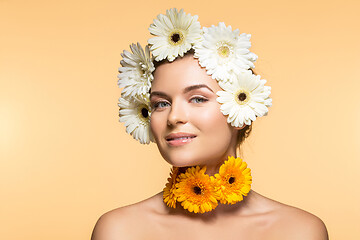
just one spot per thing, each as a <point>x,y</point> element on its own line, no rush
<point>179,139</point>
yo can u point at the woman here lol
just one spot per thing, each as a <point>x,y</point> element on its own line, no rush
<point>203,98</point>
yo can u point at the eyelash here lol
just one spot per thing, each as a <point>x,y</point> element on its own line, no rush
<point>156,105</point>
<point>199,98</point>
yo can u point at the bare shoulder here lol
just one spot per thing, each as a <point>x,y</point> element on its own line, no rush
<point>293,223</point>
<point>129,222</point>
<point>300,224</point>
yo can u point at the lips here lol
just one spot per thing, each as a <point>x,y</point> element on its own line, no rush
<point>179,139</point>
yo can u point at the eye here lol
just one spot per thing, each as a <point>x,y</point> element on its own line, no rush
<point>160,104</point>
<point>198,99</point>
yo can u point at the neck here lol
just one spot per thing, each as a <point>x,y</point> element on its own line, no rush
<point>213,168</point>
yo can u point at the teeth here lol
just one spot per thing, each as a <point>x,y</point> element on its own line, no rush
<point>181,138</point>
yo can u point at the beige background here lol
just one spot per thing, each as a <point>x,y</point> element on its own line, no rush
<point>65,159</point>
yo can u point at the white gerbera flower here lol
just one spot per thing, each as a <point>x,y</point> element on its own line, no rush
<point>136,72</point>
<point>175,33</point>
<point>223,51</point>
<point>136,117</point>
<point>245,98</point>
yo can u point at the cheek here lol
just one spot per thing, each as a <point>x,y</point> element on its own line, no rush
<point>156,125</point>
<point>212,120</point>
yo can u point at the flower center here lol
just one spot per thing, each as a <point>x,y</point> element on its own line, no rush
<point>231,180</point>
<point>176,38</point>
<point>242,97</point>
<point>224,51</point>
<point>197,190</point>
<point>143,113</point>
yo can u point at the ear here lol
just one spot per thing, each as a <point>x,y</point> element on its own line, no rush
<point>239,128</point>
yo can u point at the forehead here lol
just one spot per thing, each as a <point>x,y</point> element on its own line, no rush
<point>181,73</point>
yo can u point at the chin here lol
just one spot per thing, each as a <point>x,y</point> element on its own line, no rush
<point>183,160</point>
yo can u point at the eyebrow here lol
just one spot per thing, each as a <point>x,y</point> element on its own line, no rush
<point>186,90</point>
<point>160,94</point>
<point>193,87</point>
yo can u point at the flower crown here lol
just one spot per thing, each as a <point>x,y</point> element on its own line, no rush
<point>224,54</point>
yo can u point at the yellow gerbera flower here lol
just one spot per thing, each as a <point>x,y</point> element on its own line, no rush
<point>169,190</point>
<point>233,181</point>
<point>196,190</point>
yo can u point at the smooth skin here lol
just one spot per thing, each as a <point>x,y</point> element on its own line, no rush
<point>183,98</point>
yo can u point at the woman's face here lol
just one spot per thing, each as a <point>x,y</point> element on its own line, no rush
<point>186,121</point>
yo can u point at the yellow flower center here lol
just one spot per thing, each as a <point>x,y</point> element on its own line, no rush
<point>223,51</point>
<point>176,37</point>
<point>242,97</point>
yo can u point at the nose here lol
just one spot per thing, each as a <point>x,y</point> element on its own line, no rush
<point>177,114</point>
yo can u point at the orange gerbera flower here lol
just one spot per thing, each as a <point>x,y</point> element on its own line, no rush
<point>233,181</point>
<point>196,190</point>
<point>169,190</point>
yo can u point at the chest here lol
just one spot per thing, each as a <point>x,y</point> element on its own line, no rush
<point>224,229</point>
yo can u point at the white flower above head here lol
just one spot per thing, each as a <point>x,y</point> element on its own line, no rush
<point>136,117</point>
<point>175,33</point>
<point>136,72</point>
<point>245,98</point>
<point>223,51</point>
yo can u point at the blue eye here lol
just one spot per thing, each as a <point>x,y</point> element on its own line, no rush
<point>160,105</point>
<point>198,100</point>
